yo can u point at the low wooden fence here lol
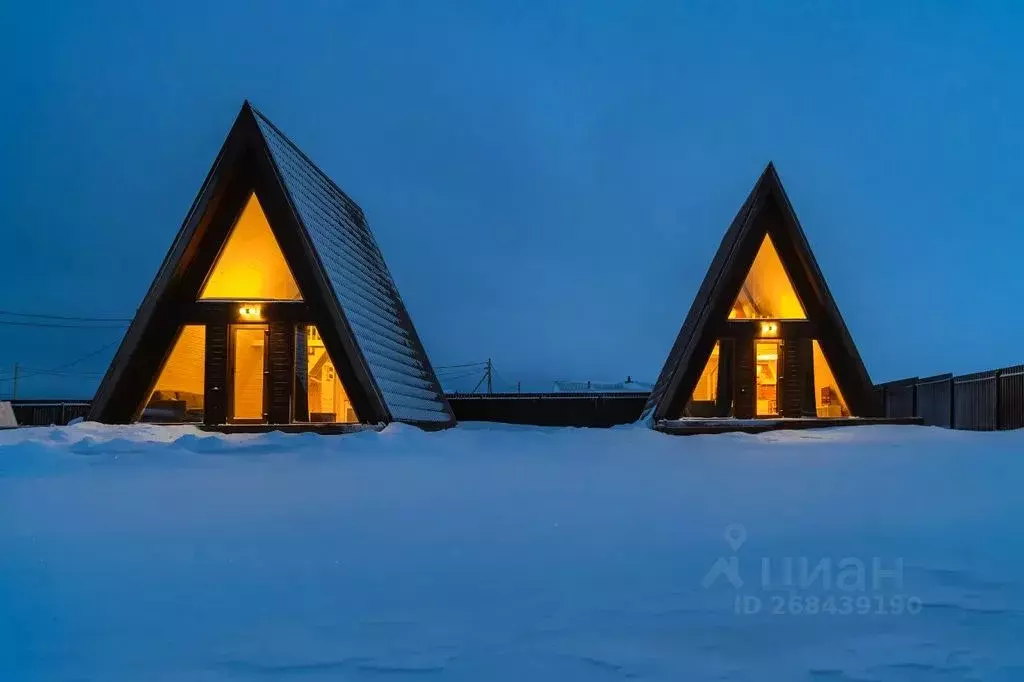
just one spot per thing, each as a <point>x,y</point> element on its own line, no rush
<point>981,401</point>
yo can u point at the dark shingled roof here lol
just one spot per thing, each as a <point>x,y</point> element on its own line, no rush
<point>360,281</point>
<point>338,265</point>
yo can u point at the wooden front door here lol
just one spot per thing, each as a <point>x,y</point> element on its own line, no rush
<point>248,373</point>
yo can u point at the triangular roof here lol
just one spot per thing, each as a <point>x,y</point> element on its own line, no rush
<point>766,211</point>
<point>336,263</point>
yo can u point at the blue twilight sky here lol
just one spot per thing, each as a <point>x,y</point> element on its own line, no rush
<point>548,180</point>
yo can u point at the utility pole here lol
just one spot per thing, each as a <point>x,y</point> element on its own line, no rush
<point>490,379</point>
<point>14,383</point>
<point>519,387</point>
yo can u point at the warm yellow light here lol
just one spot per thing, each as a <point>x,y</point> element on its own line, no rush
<point>769,328</point>
<point>251,265</point>
<point>250,311</point>
<point>767,291</point>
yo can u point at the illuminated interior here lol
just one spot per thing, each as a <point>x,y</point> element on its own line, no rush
<point>326,398</point>
<point>767,292</point>
<point>248,356</point>
<point>178,393</point>
<point>707,385</point>
<point>767,377</point>
<point>250,264</point>
<point>828,401</point>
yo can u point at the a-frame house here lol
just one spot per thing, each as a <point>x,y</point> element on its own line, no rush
<point>764,337</point>
<point>273,305</point>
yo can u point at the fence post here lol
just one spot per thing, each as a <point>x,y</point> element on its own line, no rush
<point>952,402</point>
<point>999,379</point>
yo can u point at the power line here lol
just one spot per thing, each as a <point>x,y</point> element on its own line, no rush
<point>86,356</point>
<point>57,371</point>
<point>458,376</point>
<point>13,323</point>
<point>47,316</point>
<point>48,373</point>
<point>468,364</point>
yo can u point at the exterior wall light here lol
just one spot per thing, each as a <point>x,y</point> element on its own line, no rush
<point>250,311</point>
<point>769,328</point>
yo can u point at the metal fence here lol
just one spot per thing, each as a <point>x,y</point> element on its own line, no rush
<point>550,409</point>
<point>980,401</point>
<point>49,412</point>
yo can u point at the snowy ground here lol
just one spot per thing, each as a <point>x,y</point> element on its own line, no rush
<point>504,553</point>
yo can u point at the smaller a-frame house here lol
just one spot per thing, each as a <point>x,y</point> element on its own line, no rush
<point>273,305</point>
<point>764,337</point>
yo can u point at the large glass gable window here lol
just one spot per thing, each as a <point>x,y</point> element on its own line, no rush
<point>707,386</point>
<point>828,401</point>
<point>178,393</point>
<point>250,265</point>
<point>320,395</point>
<point>767,292</point>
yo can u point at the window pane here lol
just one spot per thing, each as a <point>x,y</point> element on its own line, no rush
<point>707,385</point>
<point>827,399</point>
<point>250,264</point>
<point>178,393</point>
<point>767,379</point>
<point>317,380</point>
<point>767,292</point>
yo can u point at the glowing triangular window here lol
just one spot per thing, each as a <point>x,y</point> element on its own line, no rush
<point>707,386</point>
<point>250,265</point>
<point>767,291</point>
<point>178,393</point>
<point>828,401</point>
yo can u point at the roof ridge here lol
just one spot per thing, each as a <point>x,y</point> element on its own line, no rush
<point>260,115</point>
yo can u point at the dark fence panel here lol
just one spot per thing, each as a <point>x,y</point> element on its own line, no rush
<point>935,400</point>
<point>976,401</point>
<point>550,409</point>
<point>900,398</point>
<point>1011,397</point>
<point>47,413</point>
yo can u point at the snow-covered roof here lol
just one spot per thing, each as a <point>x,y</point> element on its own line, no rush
<point>362,284</point>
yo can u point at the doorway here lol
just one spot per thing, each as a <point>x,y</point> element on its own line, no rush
<point>767,378</point>
<point>248,373</point>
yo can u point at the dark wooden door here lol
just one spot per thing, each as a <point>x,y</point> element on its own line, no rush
<point>280,367</point>
<point>215,399</point>
<point>744,376</point>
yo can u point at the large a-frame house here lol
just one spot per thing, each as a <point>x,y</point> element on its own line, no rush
<point>764,337</point>
<point>273,306</point>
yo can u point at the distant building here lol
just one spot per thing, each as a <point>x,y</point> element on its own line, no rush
<point>7,418</point>
<point>764,337</point>
<point>273,306</point>
<point>627,386</point>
